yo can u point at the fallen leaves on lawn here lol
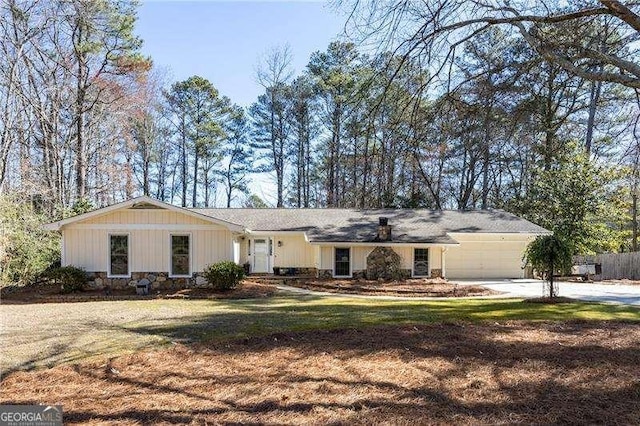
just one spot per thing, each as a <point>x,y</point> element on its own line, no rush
<point>511,372</point>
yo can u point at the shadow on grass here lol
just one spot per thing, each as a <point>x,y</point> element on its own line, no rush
<point>158,322</point>
<point>546,373</point>
<point>259,317</point>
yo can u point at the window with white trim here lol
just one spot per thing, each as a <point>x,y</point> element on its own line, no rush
<point>180,255</point>
<point>119,255</point>
<point>420,262</point>
<point>342,265</point>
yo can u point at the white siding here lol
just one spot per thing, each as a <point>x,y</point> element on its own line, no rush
<point>359,257</point>
<point>86,243</point>
<point>147,216</point>
<point>326,257</point>
<point>295,252</point>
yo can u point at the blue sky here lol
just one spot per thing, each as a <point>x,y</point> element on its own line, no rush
<point>224,40</point>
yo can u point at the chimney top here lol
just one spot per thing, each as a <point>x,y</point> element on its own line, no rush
<point>384,230</point>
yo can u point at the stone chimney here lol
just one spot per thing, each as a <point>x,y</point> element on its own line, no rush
<point>384,229</point>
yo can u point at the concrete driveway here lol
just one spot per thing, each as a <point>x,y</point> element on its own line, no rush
<point>596,292</point>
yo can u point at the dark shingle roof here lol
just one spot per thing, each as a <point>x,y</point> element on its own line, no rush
<point>354,225</point>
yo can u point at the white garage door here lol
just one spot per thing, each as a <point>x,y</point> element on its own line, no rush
<point>485,259</point>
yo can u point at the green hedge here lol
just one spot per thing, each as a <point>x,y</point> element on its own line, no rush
<point>224,275</point>
<point>70,278</point>
<point>26,249</point>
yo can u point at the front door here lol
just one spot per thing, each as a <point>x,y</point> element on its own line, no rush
<point>260,256</point>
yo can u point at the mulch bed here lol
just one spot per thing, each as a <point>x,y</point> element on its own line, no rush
<point>408,288</point>
<point>620,282</point>
<point>42,293</point>
<point>460,373</point>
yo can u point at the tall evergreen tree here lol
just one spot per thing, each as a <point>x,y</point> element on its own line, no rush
<point>238,155</point>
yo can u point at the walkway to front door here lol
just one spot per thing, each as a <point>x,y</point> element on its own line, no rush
<point>261,256</point>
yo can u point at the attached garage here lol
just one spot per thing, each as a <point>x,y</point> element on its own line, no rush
<point>486,255</point>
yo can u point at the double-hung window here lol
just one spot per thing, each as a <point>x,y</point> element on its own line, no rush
<point>421,262</point>
<point>119,255</point>
<point>180,255</point>
<point>342,265</point>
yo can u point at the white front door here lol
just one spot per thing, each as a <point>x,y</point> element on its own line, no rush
<point>261,256</point>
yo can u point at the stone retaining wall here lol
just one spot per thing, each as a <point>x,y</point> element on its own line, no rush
<point>359,274</point>
<point>158,280</point>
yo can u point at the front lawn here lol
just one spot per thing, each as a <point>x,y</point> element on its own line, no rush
<point>498,372</point>
<point>43,335</point>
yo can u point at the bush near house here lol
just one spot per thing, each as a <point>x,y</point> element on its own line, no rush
<point>224,275</point>
<point>26,249</point>
<point>70,278</point>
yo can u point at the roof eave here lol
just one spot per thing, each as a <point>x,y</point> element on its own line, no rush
<point>382,243</point>
<point>56,226</point>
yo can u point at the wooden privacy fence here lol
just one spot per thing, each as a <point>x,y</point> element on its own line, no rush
<point>615,266</point>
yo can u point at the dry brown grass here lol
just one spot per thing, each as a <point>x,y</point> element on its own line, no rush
<point>431,287</point>
<point>513,372</point>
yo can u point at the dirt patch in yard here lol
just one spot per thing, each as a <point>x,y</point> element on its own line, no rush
<point>512,372</point>
<point>408,288</point>
<point>47,293</point>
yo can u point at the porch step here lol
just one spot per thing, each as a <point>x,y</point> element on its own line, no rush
<point>281,277</point>
<point>278,279</point>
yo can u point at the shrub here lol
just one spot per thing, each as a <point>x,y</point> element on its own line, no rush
<point>26,249</point>
<point>224,275</point>
<point>70,278</point>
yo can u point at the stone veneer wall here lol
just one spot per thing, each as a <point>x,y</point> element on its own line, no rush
<point>324,273</point>
<point>384,263</point>
<point>158,280</point>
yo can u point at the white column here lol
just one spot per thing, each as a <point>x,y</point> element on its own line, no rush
<point>443,250</point>
<point>63,260</point>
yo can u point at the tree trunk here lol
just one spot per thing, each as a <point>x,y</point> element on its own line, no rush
<point>194,197</point>
<point>486,158</point>
<point>81,155</point>
<point>634,218</point>
<point>184,163</point>
<point>549,130</point>
<point>596,87</point>
<point>229,188</point>
<point>552,292</point>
